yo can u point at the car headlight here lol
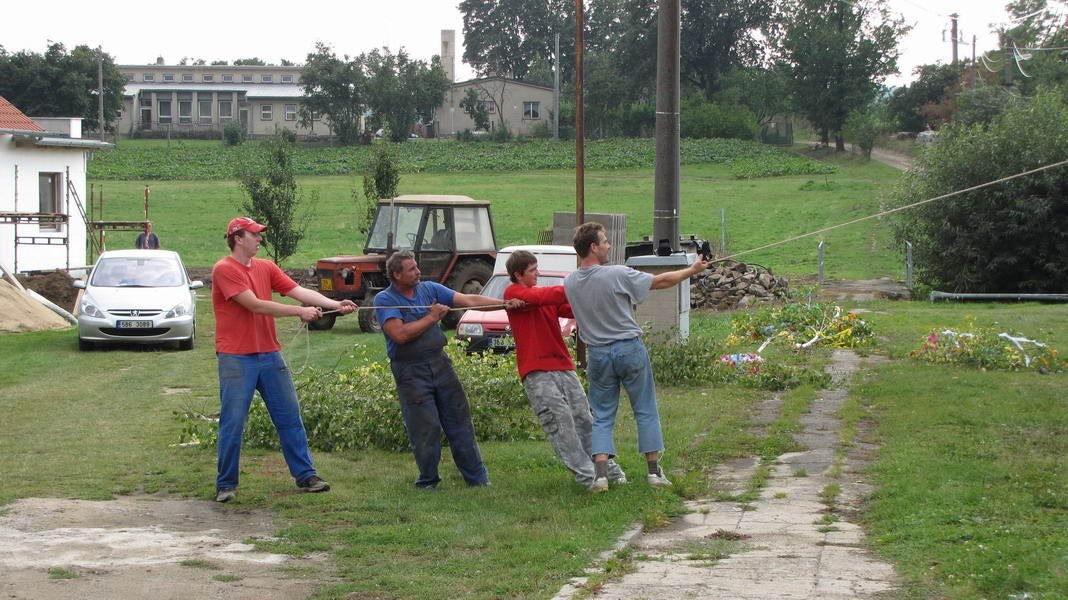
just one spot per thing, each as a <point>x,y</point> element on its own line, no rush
<point>89,308</point>
<point>181,309</point>
<point>469,329</point>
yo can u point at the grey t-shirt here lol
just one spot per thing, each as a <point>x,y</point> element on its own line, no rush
<point>603,298</point>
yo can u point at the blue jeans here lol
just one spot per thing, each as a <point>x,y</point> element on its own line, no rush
<point>432,400</point>
<point>623,363</point>
<point>239,376</point>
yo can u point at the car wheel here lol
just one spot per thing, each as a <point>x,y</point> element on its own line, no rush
<point>467,278</point>
<point>368,318</point>
<point>85,345</point>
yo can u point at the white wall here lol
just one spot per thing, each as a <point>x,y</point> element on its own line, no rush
<point>20,167</point>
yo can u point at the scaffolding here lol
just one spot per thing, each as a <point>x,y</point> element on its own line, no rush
<point>96,228</point>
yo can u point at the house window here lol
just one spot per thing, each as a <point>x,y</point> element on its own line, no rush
<point>267,112</point>
<point>185,109</point>
<point>287,79</point>
<point>187,77</point>
<point>129,77</point>
<point>226,109</point>
<point>266,78</point>
<point>51,191</point>
<point>490,107</point>
<point>531,110</point>
<point>205,110</point>
<point>149,77</point>
<point>228,78</point>
<point>291,112</point>
<point>246,78</point>
<point>208,78</point>
<point>168,77</point>
<point>164,111</point>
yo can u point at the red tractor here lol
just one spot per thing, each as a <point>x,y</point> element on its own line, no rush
<point>452,238</point>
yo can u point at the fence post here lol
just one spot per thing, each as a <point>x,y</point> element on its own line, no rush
<point>908,265</point>
<point>820,262</point>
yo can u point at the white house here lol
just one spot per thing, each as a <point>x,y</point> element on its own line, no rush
<point>42,192</point>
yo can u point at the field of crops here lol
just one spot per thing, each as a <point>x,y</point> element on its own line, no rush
<point>211,160</point>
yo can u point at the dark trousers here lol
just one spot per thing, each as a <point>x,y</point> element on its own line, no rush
<point>432,400</point>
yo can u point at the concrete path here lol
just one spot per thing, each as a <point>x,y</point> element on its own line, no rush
<point>786,544</point>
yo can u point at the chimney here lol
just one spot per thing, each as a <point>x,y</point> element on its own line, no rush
<point>448,53</point>
<point>159,60</point>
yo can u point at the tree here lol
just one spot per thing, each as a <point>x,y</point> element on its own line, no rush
<point>333,88</point>
<point>718,35</point>
<point>382,183</point>
<point>253,62</point>
<point>838,51</point>
<point>1008,237</point>
<point>62,84</point>
<point>475,108</point>
<point>401,92</point>
<point>935,83</point>
<point>507,37</point>
<point>274,197</point>
<point>1038,41</point>
<point>863,128</point>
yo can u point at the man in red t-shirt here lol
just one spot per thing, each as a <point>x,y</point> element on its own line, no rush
<point>247,347</point>
<point>548,373</point>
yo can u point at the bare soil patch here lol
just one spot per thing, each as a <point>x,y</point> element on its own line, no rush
<point>145,546</point>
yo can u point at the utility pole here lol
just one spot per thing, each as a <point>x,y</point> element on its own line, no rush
<point>580,132</point>
<point>953,29</point>
<point>100,87</point>
<point>666,179</point>
<point>1010,60</point>
<point>556,91</point>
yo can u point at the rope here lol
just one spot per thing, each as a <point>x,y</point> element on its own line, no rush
<point>330,312</point>
<point>898,209</point>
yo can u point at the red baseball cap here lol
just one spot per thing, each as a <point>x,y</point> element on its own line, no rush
<point>245,223</point>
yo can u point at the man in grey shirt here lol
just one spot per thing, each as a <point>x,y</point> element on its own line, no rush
<point>603,296</point>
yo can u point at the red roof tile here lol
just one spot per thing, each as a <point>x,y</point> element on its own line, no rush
<point>12,118</point>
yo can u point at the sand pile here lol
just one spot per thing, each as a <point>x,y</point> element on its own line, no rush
<point>20,312</point>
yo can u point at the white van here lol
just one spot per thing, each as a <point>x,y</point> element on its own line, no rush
<point>550,258</point>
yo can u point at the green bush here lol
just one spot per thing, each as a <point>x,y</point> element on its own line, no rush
<point>708,120</point>
<point>233,133</point>
<point>541,130</point>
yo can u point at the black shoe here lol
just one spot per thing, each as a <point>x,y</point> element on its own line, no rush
<point>224,494</point>
<point>313,485</point>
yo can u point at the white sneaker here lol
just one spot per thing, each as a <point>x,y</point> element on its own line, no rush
<point>599,485</point>
<point>621,480</point>
<point>658,479</point>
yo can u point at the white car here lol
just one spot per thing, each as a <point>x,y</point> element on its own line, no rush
<point>139,296</point>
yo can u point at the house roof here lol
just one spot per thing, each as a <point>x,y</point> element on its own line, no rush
<point>12,118</point>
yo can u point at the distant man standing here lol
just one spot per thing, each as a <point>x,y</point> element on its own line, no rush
<point>247,347</point>
<point>432,399</point>
<point>603,298</point>
<point>548,373</point>
<point>147,240</point>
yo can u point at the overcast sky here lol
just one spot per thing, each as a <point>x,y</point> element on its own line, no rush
<point>273,29</point>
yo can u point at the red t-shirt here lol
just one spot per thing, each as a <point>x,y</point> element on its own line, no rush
<point>539,346</point>
<point>237,329</point>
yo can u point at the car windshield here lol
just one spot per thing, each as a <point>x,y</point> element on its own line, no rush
<point>137,272</point>
<point>494,288</point>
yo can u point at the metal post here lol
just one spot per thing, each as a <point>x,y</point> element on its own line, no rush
<point>100,84</point>
<point>820,262</point>
<point>723,232</point>
<point>666,192</point>
<point>556,91</point>
<point>908,265</point>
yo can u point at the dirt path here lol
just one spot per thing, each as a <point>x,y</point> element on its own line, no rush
<point>145,547</point>
<point>786,544</point>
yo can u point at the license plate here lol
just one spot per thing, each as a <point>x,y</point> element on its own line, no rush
<point>504,341</point>
<point>134,324</point>
<point>326,285</point>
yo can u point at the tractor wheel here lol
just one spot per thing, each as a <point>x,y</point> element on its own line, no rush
<point>368,318</point>
<point>467,278</point>
<point>322,323</point>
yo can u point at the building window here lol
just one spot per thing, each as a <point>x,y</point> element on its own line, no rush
<point>226,109</point>
<point>266,78</point>
<point>129,77</point>
<point>287,79</point>
<point>168,77</point>
<point>228,78</point>
<point>291,112</point>
<point>187,77</point>
<point>148,77</point>
<point>185,111</point>
<point>51,191</point>
<point>164,111</point>
<point>531,110</point>
<point>491,108</point>
<point>208,78</point>
<point>267,112</point>
<point>205,111</point>
<point>246,78</point>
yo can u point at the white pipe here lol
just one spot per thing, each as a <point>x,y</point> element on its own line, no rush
<point>54,308</point>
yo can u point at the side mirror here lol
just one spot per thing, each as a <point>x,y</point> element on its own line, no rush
<point>79,283</point>
<point>196,285</point>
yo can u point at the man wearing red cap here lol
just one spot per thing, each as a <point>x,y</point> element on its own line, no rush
<point>249,354</point>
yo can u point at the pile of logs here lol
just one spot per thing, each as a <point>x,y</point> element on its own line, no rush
<point>728,285</point>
